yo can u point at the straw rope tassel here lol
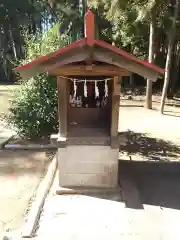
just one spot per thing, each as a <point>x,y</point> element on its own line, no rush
<point>85,89</point>
<point>106,89</point>
<point>75,89</point>
<point>96,90</point>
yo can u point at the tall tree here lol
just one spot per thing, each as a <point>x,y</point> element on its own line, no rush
<point>152,37</point>
<point>172,35</point>
<point>152,11</point>
<point>71,15</point>
<point>130,20</point>
<point>17,17</point>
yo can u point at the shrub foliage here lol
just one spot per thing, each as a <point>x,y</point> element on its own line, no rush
<point>34,108</point>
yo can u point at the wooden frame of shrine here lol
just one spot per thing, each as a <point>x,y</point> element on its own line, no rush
<point>87,141</point>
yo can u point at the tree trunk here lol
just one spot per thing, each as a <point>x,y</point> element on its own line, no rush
<point>174,71</point>
<point>5,49</point>
<point>148,102</point>
<point>12,42</point>
<point>172,34</point>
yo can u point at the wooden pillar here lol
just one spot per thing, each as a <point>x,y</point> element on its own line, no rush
<point>62,86</point>
<point>115,112</point>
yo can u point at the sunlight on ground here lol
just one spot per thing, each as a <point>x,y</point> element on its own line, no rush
<point>94,217</point>
<point>6,95</point>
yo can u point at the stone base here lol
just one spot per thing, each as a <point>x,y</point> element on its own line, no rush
<point>88,166</point>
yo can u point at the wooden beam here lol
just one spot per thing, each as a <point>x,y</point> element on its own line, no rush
<point>62,86</point>
<point>108,57</point>
<point>89,27</point>
<point>73,57</point>
<point>82,70</point>
<point>115,112</point>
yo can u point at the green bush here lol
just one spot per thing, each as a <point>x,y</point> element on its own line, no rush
<point>34,108</point>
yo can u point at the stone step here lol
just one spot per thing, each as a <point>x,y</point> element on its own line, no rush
<point>105,193</point>
<point>86,167</point>
<point>88,141</point>
<point>88,180</point>
<point>89,190</point>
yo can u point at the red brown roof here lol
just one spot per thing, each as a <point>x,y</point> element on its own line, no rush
<point>41,64</point>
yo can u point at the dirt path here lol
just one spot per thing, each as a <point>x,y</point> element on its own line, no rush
<point>20,175</point>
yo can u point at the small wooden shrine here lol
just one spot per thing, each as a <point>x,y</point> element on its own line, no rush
<point>88,80</point>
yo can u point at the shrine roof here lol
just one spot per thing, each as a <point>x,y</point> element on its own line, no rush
<point>59,57</point>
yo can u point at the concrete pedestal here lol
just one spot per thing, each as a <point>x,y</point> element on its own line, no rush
<point>91,166</point>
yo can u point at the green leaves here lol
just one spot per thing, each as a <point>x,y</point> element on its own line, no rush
<point>42,44</point>
<point>34,110</point>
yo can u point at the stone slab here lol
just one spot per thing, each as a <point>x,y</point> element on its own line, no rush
<point>88,153</point>
<point>95,166</point>
<point>90,180</point>
<point>88,167</point>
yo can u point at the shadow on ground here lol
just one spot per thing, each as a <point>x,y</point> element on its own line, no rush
<point>160,190</point>
<point>148,147</point>
<point>154,183</point>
